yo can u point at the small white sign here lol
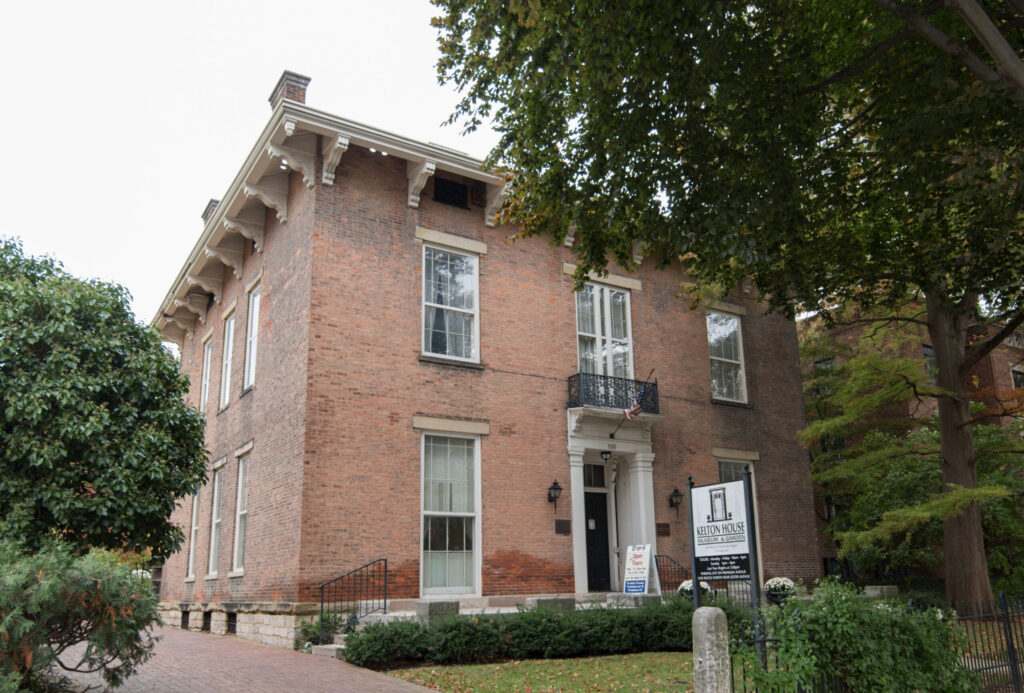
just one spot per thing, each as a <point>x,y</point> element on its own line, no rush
<point>638,569</point>
<point>720,531</point>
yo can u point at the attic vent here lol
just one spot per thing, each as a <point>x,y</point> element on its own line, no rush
<point>448,192</point>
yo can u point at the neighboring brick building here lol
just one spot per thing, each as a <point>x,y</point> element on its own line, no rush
<point>385,374</point>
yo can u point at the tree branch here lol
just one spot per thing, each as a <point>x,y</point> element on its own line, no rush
<point>938,38</point>
<point>878,52</point>
<point>1008,63</point>
<point>976,352</point>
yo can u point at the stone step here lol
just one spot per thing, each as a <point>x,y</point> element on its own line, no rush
<point>336,651</point>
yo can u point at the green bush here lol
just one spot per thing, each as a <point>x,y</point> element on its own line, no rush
<point>54,599</point>
<point>863,643</point>
<point>535,634</point>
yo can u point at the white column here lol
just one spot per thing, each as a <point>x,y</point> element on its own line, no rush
<point>579,520</point>
<point>642,470</point>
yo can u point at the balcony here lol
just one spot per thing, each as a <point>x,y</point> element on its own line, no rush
<point>589,389</point>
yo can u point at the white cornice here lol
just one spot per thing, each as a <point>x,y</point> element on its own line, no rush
<point>291,119</point>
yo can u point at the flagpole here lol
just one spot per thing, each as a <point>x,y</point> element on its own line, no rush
<point>612,434</point>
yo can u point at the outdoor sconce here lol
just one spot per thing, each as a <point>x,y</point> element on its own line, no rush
<point>554,491</point>
<point>675,499</point>
<point>606,455</point>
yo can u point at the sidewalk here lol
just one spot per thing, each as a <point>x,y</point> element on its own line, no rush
<point>188,662</point>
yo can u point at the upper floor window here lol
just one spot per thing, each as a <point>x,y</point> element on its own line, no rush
<point>204,389</point>
<point>929,362</point>
<point>725,344</point>
<point>252,328</point>
<point>603,331</point>
<point>1018,378</point>
<point>450,309</point>
<point>225,365</point>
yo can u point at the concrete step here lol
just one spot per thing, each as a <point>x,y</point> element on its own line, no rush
<point>336,651</point>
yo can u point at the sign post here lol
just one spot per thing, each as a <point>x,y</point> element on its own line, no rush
<point>694,584</point>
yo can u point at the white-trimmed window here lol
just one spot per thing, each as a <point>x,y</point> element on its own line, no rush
<point>225,365</point>
<point>451,326</point>
<point>603,331</point>
<point>204,388</point>
<point>241,513</point>
<point>451,527</point>
<point>193,536</point>
<point>725,344</point>
<point>215,525</point>
<point>1017,377</point>
<point>252,328</point>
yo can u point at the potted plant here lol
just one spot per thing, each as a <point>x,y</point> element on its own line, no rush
<point>686,588</point>
<point>778,589</point>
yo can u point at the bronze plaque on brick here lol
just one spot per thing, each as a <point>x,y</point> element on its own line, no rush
<point>563,526</point>
<point>662,529</point>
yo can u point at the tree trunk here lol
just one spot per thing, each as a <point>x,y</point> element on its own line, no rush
<point>964,543</point>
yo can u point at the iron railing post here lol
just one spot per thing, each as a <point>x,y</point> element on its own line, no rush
<point>1011,650</point>
<point>320,638</point>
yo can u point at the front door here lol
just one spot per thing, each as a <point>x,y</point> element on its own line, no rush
<point>598,568</point>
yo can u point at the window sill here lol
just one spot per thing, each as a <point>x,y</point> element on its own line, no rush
<point>246,391</point>
<point>190,579</point>
<point>731,403</point>
<point>442,361</point>
<point>222,410</point>
<point>212,576</point>
<point>236,573</point>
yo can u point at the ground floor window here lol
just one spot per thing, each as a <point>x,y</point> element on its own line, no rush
<point>450,509</point>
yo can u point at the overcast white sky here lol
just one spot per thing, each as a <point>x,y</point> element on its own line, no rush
<point>120,120</point>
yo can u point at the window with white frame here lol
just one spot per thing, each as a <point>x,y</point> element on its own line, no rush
<point>603,331</point>
<point>193,536</point>
<point>450,515</point>
<point>725,345</point>
<point>225,365</point>
<point>241,513</point>
<point>1017,374</point>
<point>204,388</point>
<point>450,308</point>
<point>215,524</point>
<point>252,328</point>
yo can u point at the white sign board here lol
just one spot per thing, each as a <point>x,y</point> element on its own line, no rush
<point>720,531</point>
<point>638,569</point>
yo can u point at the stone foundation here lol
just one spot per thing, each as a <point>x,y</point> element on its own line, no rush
<point>270,623</point>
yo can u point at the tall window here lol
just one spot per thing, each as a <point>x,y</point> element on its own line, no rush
<point>450,309</point>
<point>929,362</point>
<point>204,388</point>
<point>193,536</point>
<point>215,524</point>
<point>731,471</point>
<point>603,331</point>
<point>725,344</point>
<point>225,366</point>
<point>449,515</point>
<point>241,512</point>
<point>252,328</point>
<point>1018,378</point>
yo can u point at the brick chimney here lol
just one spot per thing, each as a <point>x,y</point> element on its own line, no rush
<point>291,86</point>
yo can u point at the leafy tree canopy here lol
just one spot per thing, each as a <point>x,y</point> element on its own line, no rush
<point>836,153</point>
<point>96,442</point>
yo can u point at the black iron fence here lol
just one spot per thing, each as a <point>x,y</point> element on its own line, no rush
<point>994,642</point>
<point>348,598</point>
<point>613,393</point>
<point>671,573</point>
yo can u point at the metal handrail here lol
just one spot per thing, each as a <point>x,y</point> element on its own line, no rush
<point>359,592</point>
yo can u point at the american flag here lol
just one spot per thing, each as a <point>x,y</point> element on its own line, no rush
<point>636,407</point>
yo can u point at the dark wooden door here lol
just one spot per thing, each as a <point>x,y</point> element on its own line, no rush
<point>598,568</point>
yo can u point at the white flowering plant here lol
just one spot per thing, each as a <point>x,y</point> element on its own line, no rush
<point>686,587</point>
<point>780,584</point>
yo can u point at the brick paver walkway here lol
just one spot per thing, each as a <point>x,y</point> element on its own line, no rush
<point>186,662</point>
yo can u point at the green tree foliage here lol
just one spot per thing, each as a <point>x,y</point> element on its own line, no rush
<point>53,599</point>
<point>835,153</point>
<point>877,455</point>
<point>96,442</point>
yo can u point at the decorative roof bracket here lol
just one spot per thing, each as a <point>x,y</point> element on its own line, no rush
<point>172,332</point>
<point>230,252</point>
<point>570,236</point>
<point>206,282</point>
<point>418,173</point>
<point>333,149</point>
<point>638,252</point>
<point>296,160</point>
<point>195,303</point>
<point>273,195</point>
<point>496,195</point>
<point>186,326</point>
<point>289,126</point>
<point>250,228</point>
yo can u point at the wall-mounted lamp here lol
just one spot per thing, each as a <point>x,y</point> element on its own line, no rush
<point>675,499</point>
<point>606,455</point>
<point>554,491</point>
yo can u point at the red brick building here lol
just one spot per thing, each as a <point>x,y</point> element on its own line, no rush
<point>385,374</point>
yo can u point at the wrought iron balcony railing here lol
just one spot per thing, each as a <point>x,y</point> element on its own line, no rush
<point>611,392</point>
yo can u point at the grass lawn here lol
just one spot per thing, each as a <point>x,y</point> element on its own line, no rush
<point>650,671</point>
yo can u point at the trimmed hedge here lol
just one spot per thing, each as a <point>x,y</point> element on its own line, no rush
<point>537,634</point>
